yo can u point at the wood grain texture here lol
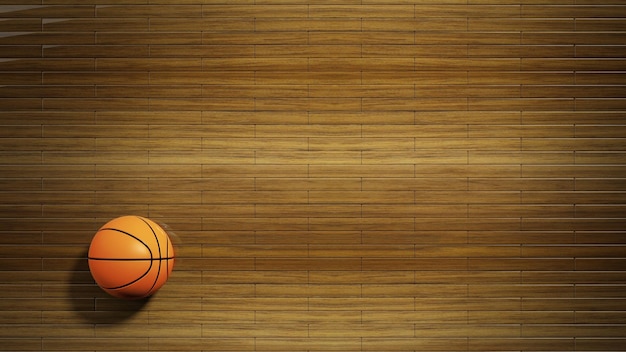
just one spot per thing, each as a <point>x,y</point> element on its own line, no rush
<point>381,175</point>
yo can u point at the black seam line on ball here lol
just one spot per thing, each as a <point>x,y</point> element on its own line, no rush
<point>156,238</point>
<point>131,235</point>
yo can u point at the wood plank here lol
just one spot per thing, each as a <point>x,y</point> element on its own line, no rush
<point>309,317</point>
<point>168,10</point>
<point>329,344</point>
<point>95,24</point>
<point>40,38</point>
<point>418,317</point>
<point>473,10</point>
<point>360,11</point>
<point>572,11</point>
<point>191,24</point>
<point>421,237</point>
<point>521,24</point>
<point>343,157</point>
<point>21,25</point>
<point>561,277</point>
<point>530,49</point>
<point>273,11</point>
<point>308,263</point>
<point>518,77</point>
<point>547,291</point>
<point>359,330</point>
<point>598,171</point>
<point>360,197</point>
<point>516,317</point>
<point>584,64</point>
<point>589,317</point>
<point>570,38</point>
<point>423,290</point>
<point>94,78</point>
<point>510,344</point>
<point>423,23</point>
<point>609,344</point>
<point>341,184</point>
<point>573,304</point>
<point>256,330</point>
<point>419,263</point>
<point>335,277</point>
<point>320,237</point>
<point>467,277</point>
<point>307,290</point>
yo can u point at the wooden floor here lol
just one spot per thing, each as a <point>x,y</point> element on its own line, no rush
<point>376,175</point>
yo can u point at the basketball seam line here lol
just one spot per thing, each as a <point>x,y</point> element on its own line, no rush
<point>142,242</point>
<point>156,279</point>
<point>131,235</point>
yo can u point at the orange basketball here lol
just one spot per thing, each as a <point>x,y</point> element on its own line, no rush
<point>131,257</point>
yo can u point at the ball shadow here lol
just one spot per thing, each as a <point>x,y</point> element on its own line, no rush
<point>91,304</point>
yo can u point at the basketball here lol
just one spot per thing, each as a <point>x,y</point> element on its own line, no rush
<point>131,257</point>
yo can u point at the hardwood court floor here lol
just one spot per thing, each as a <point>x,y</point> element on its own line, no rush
<point>376,175</point>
